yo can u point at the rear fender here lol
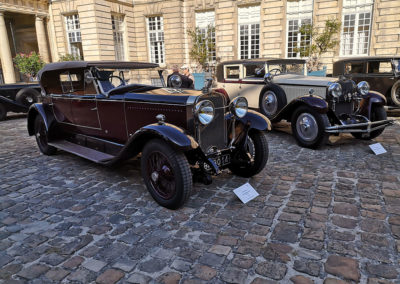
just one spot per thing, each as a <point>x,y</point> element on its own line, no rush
<point>315,102</point>
<point>34,110</point>
<point>369,100</point>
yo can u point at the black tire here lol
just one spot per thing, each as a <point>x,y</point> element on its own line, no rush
<point>3,112</point>
<point>27,97</point>
<point>395,94</point>
<point>42,137</point>
<point>166,173</point>
<point>276,98</point>
<point>258,148</point>
<point>317,123</point>
<point>377,113</point>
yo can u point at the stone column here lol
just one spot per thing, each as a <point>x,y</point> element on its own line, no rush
<point>42,39</point>
<point>5,53</point>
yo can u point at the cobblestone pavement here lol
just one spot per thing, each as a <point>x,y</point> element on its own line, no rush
<point>322,216</point>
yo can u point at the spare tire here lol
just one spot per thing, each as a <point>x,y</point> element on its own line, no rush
<point>27,96</point>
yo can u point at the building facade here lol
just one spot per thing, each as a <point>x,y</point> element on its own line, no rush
<point>156,30</point>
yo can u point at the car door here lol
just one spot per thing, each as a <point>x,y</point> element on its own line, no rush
<point>380,75</point>
<point>232,80</point>
<point>252,83</point>
<point>60,99</point>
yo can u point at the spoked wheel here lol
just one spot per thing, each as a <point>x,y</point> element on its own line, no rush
<point>251,160</point>
<point>395,93</point>
<point>166,174</point>
<point>41,136</point>
<point>377,113</point>
<point>308,127</point>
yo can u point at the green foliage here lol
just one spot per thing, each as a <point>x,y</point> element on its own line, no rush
<point>68,57</point>
<point>28,64</point>
<point>202,45</point>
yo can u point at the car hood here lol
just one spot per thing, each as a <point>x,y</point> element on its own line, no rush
<point>165,96</point>
<point>294,79</point>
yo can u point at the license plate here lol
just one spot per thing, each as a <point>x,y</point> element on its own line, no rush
<point>221,161</point>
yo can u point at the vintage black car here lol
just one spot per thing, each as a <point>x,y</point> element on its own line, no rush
<point>315,106</point>
<point>90,110</point>
<point>18,97</point>
<point>382,74</point>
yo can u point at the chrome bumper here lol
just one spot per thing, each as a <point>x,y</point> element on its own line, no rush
<point>364,127</point>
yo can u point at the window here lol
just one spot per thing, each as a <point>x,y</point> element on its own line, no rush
<point>299,12</point>
<point>71,82</point>
<point>356,29</point>
<point>249,32</point>
<point>254,71</point>
<point>118,36</point>
<point>156,39</point>
<point>379,67</point>
<point>354,67</point>
<point>74,35</point>
<point>205,22</point>
<point>232,72</point>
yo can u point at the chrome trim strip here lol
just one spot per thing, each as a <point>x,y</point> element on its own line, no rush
<point>353,127</point>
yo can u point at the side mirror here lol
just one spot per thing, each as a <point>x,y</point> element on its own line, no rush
<point>268,77</point>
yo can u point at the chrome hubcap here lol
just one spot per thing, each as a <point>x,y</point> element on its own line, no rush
<point>270,103</point>
<point>29,99</point>
<point>307,127</point>
<point>154,176</point>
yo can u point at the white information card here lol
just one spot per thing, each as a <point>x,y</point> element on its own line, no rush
<point>377,148</point>
<point>246,193</point>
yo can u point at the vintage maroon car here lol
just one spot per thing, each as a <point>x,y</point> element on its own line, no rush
<point>182,135</point>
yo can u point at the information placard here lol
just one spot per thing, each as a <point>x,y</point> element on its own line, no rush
<point>246,193</point>
<point>377,148</point>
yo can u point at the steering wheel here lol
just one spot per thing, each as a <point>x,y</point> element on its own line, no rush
<point>121,81</point>
<point>275,70</point>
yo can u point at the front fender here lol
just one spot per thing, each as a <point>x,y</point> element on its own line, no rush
<point>34,110</point>
<point>368,100</point>
<point>315,102</point>
<point>254,119</point>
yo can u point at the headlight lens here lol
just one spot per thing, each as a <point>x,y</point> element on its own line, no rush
<point>335,90</point>
<point>363,88</point>
<point>204,112</point>
<point>239,106</point>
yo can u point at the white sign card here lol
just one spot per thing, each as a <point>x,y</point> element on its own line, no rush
<point>246,193</point>
<point>377,148</point>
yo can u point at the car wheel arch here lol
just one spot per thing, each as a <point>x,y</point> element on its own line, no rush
<point>34,110</point>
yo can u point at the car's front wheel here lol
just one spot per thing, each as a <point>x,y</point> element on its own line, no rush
<point>395,93</point>
<point>308,127</point>
<point>251,160</point>
<point>42,137</point>
<point>377,113</point>
<point>272,100</point>
<point>166,173</point>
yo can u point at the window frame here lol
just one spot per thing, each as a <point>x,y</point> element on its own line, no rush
<point>119,36</point>
<point>159,43</point>
<point>73,20</point>
<point>249,23</point>
<point>233,65</point>
<point>299,35</point>
<point>203,26</point>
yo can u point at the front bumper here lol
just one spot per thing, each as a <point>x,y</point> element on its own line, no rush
<point>364,127</point>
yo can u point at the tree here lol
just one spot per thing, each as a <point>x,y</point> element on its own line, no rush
<point>320,42</point>
<point>202,45</point>
<point>69,57</point>
<point>28,64</point>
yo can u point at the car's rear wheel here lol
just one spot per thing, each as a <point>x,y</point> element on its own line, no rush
<point>272,100</point>
<point>395,93</point>
<point>166,173</point>
<point>27,97</point>
<point>42,137</point>
<point>308,127</point>
<point>252,159</point>
<point>377,113</point>
<point>3,112</point>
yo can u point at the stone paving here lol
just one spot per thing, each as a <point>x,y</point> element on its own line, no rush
<point>326,216</point>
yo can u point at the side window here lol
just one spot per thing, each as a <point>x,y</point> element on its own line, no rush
<point>232,72</point>
<point>251,71</point>
<point>379,67</point>
<point>353,68</point>
<point>72,83</point>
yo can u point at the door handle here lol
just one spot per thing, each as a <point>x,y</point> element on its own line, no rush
<point>95,108</point>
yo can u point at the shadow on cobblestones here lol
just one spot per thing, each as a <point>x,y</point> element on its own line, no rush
<point>321,215</point>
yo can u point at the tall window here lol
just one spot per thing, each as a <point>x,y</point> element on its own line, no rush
<point>204,22</point>
<point>299,12</point>
<point>74,35</point>
<point>357,15</point>
<point>249,32</point>
<point>118,36</point>
<point>156,39</point>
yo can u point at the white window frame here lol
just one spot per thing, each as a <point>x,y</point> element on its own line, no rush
<point>73,30</point>
<point>356,8</point>
<point>160,44</point>
<point>249,17</point>
<point>118,28</point>
<point>203,21</point>
<point>301,11</point>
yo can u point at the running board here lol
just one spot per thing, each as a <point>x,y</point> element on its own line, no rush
<point>81,151</point>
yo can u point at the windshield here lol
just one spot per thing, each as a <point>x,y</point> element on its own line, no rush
<point>286,68</point>
<point>136,76</point>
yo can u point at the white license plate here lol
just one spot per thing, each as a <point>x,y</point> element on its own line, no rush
<point>221,161</point>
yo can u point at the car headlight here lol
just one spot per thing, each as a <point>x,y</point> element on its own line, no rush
<point>335,90</point>
<point>363,88</point>
<point>204,112</point>
<point>239,107</point>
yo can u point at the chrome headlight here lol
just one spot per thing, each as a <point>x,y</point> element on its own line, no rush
<point>363,88</point>
<point>239,107</point>
<point>335,90</point>
<point>204,111</point>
